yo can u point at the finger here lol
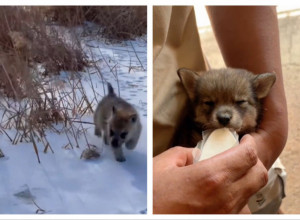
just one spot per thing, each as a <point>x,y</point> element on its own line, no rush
<point>252,182</point>
<point>183,157</point>
<point>177,156</point>
<point>235,162</point>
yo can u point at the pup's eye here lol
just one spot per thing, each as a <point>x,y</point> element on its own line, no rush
<point>112,133</point>
<point>133,118</point>
<point>240,102</point>
<point>123,135</point>
<point>209,103</point>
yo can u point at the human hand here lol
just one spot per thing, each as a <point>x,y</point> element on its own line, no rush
<point>221,184</point>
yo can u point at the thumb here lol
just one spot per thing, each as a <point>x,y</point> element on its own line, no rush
<point>180,156</point>
<point>248,140</point>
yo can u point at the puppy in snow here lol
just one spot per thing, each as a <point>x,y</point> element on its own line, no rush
<point>118,123</point>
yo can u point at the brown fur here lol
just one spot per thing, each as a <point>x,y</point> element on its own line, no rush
<point>223,98</point>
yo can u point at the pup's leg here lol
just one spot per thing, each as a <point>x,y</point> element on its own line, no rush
<point>97,131</point>
<point>118,152</point>
<point>105,138</point>
<point>131,144</point>
<point>106,134</point>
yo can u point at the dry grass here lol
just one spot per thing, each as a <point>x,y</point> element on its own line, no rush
<point>26,41</point>
<point>57,107</point>
<point>117,22</point>
<point>32,52</point>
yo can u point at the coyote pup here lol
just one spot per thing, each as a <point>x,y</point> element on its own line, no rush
<point>224,98</point>
<point>118,122</point>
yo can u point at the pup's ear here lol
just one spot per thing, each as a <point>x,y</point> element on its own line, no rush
<point>263,83</point>
<point>189,81</point>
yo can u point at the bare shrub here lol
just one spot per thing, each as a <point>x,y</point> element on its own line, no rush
<point>118,22</point>
<point>24,33</point>
<point>26,41</point>
<point>32,100</point>
<point>15,76</point>
<point>51,108</point>
<point>29,52</point>
<point>66,15</point>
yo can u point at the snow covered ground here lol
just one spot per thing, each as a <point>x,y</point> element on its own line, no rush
<point>65,184</point>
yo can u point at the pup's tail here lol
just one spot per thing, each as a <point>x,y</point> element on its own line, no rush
<point>110,89</point>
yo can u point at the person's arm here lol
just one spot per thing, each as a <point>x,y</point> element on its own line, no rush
<point>221,184</point>
<point>248,37</point>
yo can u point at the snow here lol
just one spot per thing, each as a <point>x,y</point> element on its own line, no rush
<point>65,184</point>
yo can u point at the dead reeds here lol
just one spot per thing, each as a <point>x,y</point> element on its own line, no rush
<point>116,22</point>
<point>33,101</point>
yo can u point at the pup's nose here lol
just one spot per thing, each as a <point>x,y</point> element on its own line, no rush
<point>224,118</point>
<point>115,143</point>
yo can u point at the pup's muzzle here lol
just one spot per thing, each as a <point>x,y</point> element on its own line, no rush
<point>224,117</point>
<point>115,143</point>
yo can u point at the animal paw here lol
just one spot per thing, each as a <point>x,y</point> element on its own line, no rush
<point>97,132</point>
<point>121,159</point>
<point>130,145</point>
<point>106,142</point>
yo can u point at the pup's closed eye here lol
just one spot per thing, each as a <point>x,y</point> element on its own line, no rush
<point>241,102</point>
<point>209,103</point>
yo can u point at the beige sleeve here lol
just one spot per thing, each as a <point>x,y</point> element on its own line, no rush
<point>176,44</point>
